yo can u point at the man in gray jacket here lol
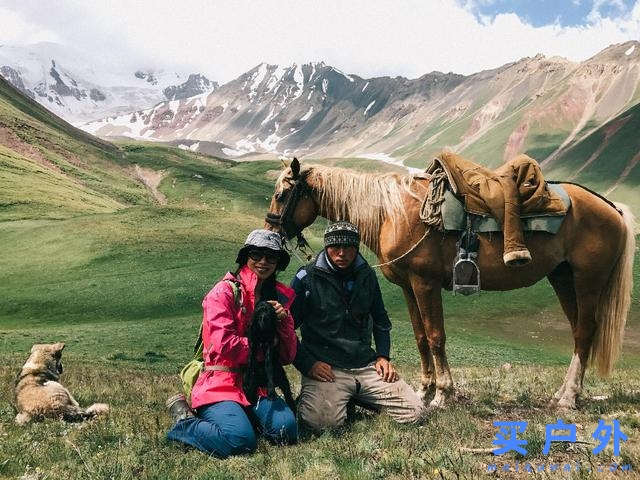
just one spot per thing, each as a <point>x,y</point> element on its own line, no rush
<point>338,308</point>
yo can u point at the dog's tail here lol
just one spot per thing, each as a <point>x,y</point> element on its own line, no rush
<point>22,418</point>
<point>97,409</point>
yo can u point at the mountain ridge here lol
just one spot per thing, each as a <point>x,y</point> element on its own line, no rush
<point>536,104</point>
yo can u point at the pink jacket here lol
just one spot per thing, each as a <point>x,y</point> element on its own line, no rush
<point>223,336</point>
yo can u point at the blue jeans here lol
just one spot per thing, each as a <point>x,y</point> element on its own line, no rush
<point>224,428</point>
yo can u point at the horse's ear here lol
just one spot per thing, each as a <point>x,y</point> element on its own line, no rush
<point>295,168</point>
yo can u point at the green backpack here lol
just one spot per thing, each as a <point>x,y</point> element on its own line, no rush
<point>191,371</point>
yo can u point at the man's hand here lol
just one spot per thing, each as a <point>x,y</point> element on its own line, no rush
<point>280,310</point>
<point>322,372</point>
<point>386,370</point>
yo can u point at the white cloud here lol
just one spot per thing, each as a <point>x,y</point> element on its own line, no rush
<point>225,38</point>
<point>16,30</point>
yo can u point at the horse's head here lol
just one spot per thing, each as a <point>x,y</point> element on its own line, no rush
<point>292,205</point>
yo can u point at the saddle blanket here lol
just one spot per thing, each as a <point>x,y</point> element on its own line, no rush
<point>454,215</point>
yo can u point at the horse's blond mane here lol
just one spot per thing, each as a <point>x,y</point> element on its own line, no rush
<point>365,199</point>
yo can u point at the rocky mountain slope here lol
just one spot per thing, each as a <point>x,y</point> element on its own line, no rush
<point>272,108</point>
<point>539,105</point>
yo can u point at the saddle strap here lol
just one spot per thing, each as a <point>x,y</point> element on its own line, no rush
<point>221,368</point>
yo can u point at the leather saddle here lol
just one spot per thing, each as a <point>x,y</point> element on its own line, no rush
<point>479,191</point>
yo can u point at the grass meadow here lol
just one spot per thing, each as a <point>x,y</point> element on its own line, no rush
<point>122,288</point>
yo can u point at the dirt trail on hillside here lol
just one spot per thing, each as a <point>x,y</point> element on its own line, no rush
<point>9,139</point>
<point>609,132</point>
<point>151,180</point>
<point>625,173</point>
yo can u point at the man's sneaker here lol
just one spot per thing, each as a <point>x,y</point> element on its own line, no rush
<point>179,408</point>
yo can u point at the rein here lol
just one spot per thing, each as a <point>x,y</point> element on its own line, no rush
<point>415,245</point>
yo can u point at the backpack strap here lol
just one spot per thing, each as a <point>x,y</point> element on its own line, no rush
<point>237,291</point>
<point>237,299</point>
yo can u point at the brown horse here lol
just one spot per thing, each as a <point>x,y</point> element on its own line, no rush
<point>588,262</point>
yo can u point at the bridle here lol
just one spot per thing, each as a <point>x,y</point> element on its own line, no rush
<point>284,219</point>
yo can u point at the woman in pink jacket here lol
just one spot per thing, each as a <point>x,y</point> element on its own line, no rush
<point>222,423</point>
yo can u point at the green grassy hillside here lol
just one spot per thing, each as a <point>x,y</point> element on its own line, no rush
<point>614,155</point>
<point>49,169</point>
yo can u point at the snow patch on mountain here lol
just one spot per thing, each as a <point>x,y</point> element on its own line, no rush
<point>343,74</point>
<point>271,142</point>
<point>275,78</point>
<point>232,152</point>
<point>298,77</point>
<point>193,147</point>
<point>258,77</point>
<point>630,50</point>
<point>368,107</point>
<point>269,117</point>
<point>307,115</point>
<point>383,157</point>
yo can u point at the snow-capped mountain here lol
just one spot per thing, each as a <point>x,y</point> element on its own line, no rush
<point>538,105</point>
<point>80,88</point>
<point>273,108</point>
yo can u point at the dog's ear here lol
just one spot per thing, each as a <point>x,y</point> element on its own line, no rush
<point>58,347</point>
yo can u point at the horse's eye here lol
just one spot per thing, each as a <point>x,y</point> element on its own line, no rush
<point>281,196</point>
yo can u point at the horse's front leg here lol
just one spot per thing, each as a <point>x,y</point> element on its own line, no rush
<point>427,377</point>
<point>429,299</point>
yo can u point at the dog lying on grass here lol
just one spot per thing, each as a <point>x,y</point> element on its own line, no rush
<point>268,371</point>
<point>38,393</point>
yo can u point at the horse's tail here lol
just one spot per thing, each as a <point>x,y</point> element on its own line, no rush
<point>615,300</point>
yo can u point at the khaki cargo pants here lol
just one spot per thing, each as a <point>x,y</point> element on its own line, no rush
<point>323,405</point>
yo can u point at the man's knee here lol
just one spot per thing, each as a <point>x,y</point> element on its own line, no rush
<point>416,413</point>
<point>412,410</point>
<point>321,418</point>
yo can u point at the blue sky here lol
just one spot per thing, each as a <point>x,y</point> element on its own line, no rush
<point>538,13</point>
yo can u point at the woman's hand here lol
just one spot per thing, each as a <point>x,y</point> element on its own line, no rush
<point>281,312</point>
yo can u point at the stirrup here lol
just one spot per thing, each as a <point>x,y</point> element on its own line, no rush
<point>466,274</point>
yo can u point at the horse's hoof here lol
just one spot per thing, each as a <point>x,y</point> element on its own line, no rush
<point>425,392</point>
<point>558,395</point>
<point>566,404</point>
<point>439,400</point>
